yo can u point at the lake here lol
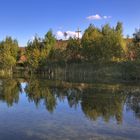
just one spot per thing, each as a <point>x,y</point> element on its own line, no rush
<point>42,109</point>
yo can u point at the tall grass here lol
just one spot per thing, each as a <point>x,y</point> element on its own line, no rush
<point>89,72</point>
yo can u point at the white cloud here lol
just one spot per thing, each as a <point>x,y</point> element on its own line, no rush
<point>106,17</point>
<point>97,17</point>
<point>73,34</point>
<point>59,34</point>
<point>94,17</point>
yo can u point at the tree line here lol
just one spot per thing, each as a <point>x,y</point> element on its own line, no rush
<point>97,45</point>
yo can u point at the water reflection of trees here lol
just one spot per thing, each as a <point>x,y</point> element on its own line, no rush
<point>73,97</point>
<point>9,91</point>
<point>95,102</point>
<point>133,102</point>
<point>105,104</point>
<point>38,93</point>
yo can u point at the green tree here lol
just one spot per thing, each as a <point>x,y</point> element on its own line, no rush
<point>136,43</point>
<point>49,41</point>
<point>113,45</point>
<point>90,35</point>
<point>34,53</point>
<point>73,50</point>
<point>91,43</point>
<point>57,55</point>
<point>106,44</point>
<point>8,53</point>
<point>39,50</point>
<point>119,28</point>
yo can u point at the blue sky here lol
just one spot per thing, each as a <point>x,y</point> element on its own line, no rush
<point>22,19</point>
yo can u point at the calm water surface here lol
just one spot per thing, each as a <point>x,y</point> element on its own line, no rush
<point>33,109</point>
